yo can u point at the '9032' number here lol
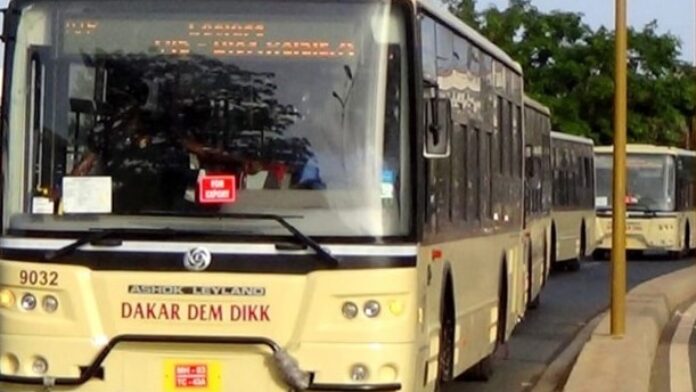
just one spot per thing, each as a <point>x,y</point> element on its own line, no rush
<point>38,278</point>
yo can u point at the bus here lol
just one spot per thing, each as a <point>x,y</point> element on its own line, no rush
<point>659,198</point>
<point>573,219</point>
<point>240,196</point>
<point>538,193</point>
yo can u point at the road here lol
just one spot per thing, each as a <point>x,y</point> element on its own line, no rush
<point>568,302</point>
<point>674,367</point>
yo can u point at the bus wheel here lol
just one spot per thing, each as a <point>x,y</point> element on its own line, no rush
<point>445,359</point>
<point>555,265</point>
<point>546,263</point>
<point>687,240</point>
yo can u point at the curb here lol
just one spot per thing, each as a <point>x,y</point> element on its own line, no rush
<point>624,365</point>
<point>557,372</point>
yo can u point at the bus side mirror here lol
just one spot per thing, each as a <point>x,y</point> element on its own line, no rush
<point>10,11</point>
<point>438,128</point>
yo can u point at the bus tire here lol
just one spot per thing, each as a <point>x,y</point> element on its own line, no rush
<point>687,240</point>
<point>533,303</point>
<point>483,370</point>
<point>547,265</point>
<point>445,361</point>
<point>555,265</point>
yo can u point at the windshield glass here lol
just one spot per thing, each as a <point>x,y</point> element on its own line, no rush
<point>649,182</point>
<point>292,108</point>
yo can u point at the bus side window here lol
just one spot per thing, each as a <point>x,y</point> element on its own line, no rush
<point>459,174</point>
<point>670,182</point>
<point>474,175</point>
<point>487,173</point>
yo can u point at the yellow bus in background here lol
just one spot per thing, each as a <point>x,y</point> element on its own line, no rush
<point>573,235</point>
<point>236,196</point>
<point>659,198</point>
<point>538,194</point>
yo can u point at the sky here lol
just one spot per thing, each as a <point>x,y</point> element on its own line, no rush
<point>674,16</point>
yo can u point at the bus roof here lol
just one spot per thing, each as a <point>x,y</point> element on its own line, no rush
<point>646,149</point>
<point>571,138</point>
<point>441,13</point>
<point>536,105</point>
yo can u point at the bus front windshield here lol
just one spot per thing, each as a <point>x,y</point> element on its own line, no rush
<point>131,114</point>
<point>649,182</point>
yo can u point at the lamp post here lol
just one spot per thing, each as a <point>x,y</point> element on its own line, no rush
<point>618,247</point>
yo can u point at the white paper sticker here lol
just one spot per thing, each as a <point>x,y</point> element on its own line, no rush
<point>42,205</point>
<point>601,201</point>
<point>87,195</point>
<point>256,181</point>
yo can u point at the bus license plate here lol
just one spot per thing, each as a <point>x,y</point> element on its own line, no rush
<point>191,376</point>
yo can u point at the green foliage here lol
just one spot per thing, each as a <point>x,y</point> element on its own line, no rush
<point>570,68</point>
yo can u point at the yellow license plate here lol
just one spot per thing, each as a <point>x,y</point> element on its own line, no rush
<point>191,375</point>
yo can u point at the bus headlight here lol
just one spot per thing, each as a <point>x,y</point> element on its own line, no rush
<point>349,310</point>
<point>49,304</point>
<point>39,365</point>
<point>359,372</point>
<point>372,309</point>
<point>28,301</point>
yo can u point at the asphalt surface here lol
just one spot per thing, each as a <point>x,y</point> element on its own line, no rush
<point>568,302</point>
<point>674,367</point>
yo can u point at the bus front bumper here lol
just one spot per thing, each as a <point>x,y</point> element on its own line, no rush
<point>285,365</point>
<point>643,235</point>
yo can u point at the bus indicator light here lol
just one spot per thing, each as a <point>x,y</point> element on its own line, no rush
<point>7,298</point>
<point>396,308</point>
<point>436,254</point>
<point>219,189</point>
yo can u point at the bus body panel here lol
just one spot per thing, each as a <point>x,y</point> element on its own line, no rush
<point>475,267</point>
<point>539,236</point>
<point>660,233</point>
<point>301,313</point>
<point>569,233</point>
<point>573,212</point>
<point>538,193</point>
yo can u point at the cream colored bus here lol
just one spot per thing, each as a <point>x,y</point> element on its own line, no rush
<point>538,194</point>
<point>253,196</point>
<point>573,217</point>
<point>659,198</point>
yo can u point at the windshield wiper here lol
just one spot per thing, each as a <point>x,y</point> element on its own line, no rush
<point>100,237</point>
<point>94,236</point>
<point>305,240</point>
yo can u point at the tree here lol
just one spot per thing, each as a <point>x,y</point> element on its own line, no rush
<point>464,10</point>
<point>570,67</point>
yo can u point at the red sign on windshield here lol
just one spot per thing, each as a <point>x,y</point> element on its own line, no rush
<point>217,189</point>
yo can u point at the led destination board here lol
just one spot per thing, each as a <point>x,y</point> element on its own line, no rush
<point>218,38</point>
